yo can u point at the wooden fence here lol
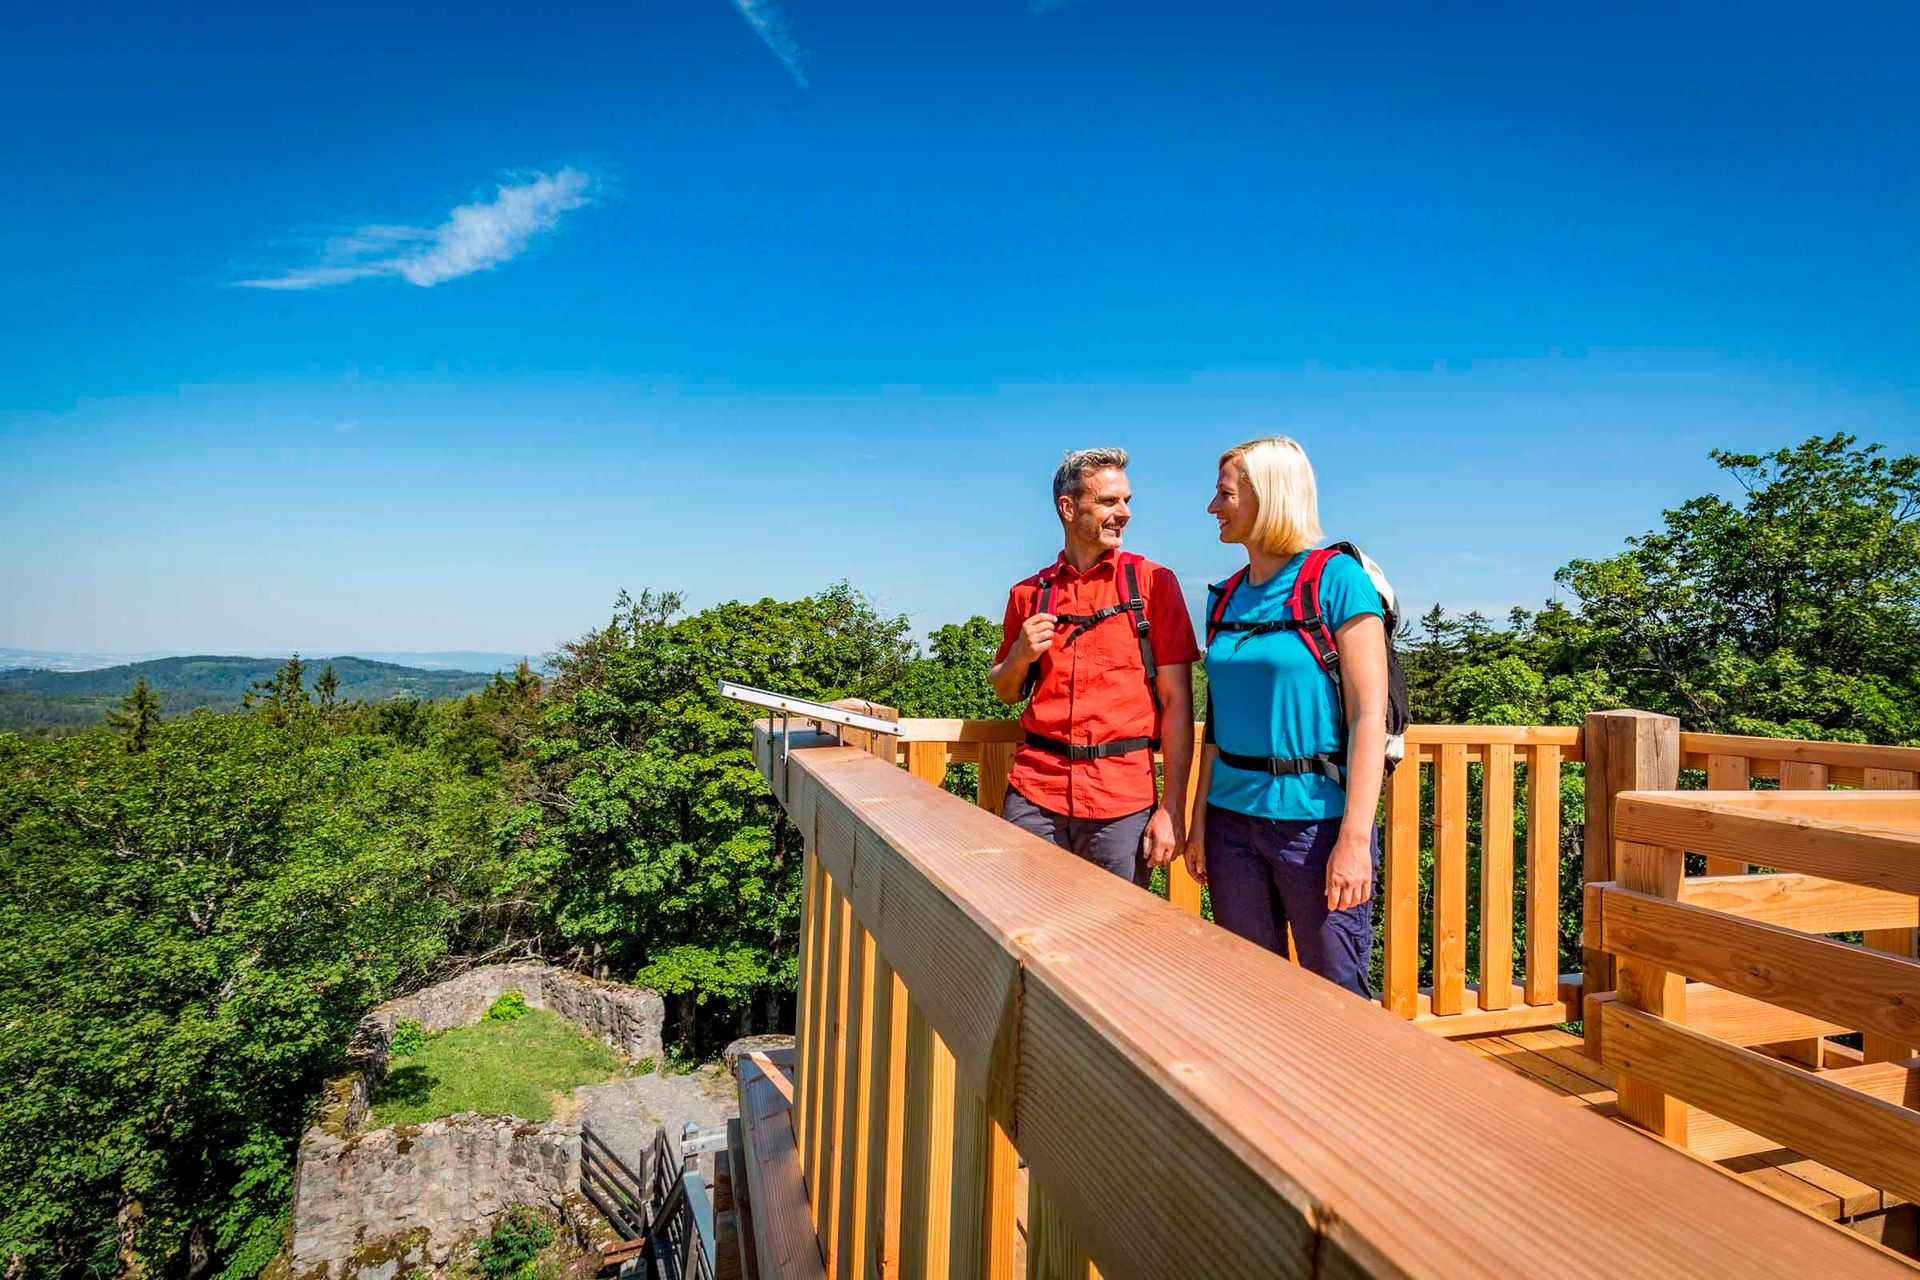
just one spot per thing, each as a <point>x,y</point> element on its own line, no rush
<point>1709,966</point>
<point>1183,1102</point>
<point>1514,770</point>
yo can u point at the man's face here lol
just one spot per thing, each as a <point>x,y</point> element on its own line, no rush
<point>1098,515</point>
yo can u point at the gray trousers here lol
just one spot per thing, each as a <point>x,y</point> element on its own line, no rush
<point>1113,843</point>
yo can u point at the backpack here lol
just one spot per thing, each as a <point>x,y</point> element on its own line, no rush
<point>1305,619</point>
<point>1132,603</point>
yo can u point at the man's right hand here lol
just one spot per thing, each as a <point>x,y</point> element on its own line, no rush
<point>1036,637</point>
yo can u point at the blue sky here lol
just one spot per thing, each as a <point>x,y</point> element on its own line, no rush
<point>432,326</point>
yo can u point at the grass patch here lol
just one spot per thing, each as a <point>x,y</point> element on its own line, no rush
<point>495,1068</point>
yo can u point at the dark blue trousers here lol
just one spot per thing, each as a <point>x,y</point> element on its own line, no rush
<point>1264,874</point>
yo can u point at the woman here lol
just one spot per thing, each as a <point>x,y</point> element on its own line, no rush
<point>1286,837</point>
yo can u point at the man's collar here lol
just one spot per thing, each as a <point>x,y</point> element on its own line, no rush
<point>1108,559</point>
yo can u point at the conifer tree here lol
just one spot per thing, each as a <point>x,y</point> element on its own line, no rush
<point>327,690</point>
<point>139,716</point>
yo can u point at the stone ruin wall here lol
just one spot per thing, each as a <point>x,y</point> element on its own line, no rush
<point>383,1204</point>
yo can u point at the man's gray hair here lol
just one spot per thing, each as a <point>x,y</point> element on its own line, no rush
<point>1071,477</point>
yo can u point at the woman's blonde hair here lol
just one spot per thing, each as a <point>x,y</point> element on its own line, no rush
<point>1287,520</point>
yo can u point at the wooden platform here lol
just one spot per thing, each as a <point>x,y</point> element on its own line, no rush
<point>1555,1060</point>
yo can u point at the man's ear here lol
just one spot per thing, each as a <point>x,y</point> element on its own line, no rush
<point>1063,507</point>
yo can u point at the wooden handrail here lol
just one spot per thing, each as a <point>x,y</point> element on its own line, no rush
<point>1187,1103</point>
<point>1845,763</point>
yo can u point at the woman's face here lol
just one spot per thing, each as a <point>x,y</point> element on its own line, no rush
<point>1234,504</point>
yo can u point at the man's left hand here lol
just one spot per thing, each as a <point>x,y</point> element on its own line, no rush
<point>1161,843</point>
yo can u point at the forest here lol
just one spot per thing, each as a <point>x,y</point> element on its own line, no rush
<point>195,912</point>
<point>44,703</point>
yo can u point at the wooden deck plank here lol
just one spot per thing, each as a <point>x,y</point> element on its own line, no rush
<point>1554,1060</point>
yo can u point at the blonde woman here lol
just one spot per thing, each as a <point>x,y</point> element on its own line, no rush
<point>1292,762</point>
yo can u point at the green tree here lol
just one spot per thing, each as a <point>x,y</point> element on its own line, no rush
<point>327,690</point>
<point>188,936</point>
<point>647,836</point>
<point>282,698</point>
<point>138,718</point>
<point>1791,610</point>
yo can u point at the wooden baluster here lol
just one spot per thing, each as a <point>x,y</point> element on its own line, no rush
<point>1052,1252</point>
<point>1496,878</point>
<point>1727,773</point>
<point>833,1065</point>
<point>1899,942</point>
<point>1798,776</point>
<point>806,1031</point>
<point>926,1230</point>
<point>813,1142</point>
<point>984,1168</point>
<point>1183,891</point>
<point>1401,869</point>
<point>848,1256</point>
<point>887,1131</point>
<point>1644,985</point>
<point>927,761</point>
<point>1543,875</point>
<point>1450,878</point>
<point>996,761</point>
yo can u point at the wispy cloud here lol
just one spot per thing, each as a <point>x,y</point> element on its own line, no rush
<point>475,237</point>
<point>767,20</point>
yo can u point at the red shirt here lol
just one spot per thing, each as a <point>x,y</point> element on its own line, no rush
<point>1093,686</point>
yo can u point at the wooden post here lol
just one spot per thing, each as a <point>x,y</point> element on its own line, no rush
<point>1624,751</point>
<point>1645,985</point>
<point>1899,942</point>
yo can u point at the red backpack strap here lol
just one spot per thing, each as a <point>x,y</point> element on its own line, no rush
<point>1306,608</point>
<point>1221,594</point>
<point>1043,604</point>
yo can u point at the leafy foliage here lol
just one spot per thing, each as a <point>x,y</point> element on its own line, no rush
<point>513,1249</point>
<point>188,935</point>
<point>511,1006</point>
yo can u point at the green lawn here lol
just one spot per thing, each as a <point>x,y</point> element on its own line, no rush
<point>495,1068</point>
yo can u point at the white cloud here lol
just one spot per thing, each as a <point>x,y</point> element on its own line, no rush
<point>765,17</point>
<point>475,237</point>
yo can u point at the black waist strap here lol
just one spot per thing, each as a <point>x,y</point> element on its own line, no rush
<point>1090,750</point>
<point>1333,767</point>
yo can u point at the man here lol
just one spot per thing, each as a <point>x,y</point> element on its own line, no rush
<point>1100,644</point>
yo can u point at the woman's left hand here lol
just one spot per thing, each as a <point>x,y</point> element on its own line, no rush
<point>1350,873</point>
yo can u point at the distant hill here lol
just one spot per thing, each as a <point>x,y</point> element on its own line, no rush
<point>425,660</point>
<point>66,701</point>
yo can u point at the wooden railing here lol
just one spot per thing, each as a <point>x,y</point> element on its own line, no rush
<point>1708,966</point>
<point>1184,1103</point>
<point>1515,774</point>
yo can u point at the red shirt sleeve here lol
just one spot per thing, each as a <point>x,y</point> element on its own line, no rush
<point>1010,625</point>
<point>1171,627</point>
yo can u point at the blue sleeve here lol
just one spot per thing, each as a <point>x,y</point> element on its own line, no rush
<point>1346,592</point>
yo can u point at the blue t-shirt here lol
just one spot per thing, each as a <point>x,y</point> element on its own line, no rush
<point>1270,697</point>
